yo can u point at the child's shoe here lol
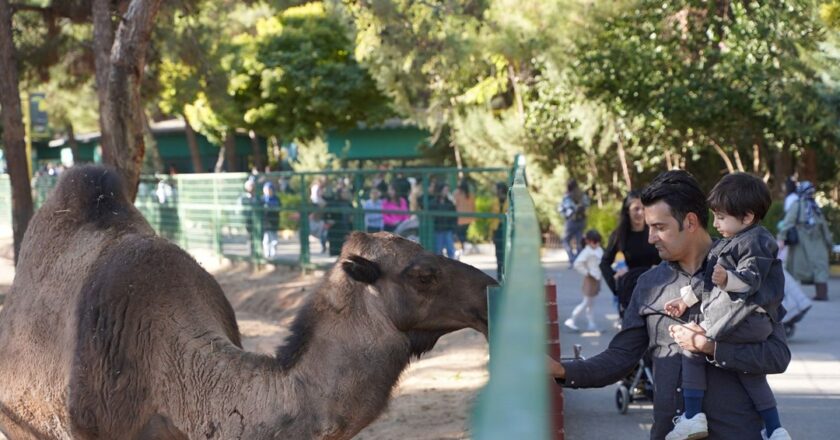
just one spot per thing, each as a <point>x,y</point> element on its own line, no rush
<point>778,434</point>
<point>570,323</point>
<point>690,429</point>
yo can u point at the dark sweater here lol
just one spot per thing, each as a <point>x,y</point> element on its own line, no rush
<point>637,253</point>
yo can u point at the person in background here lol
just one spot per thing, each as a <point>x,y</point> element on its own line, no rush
<point>500,207</point>
<point>373,212</point>
<point>464,202</point>
<point>393,202</point>
<point>247,206</point>
<point>271,221</point>
<point>790,193</point>
<point>587,264</point>
<point>807,256</point>
<point>444,226</point>
<point>340,222</point>
<point>573,208</point>
<point>631,239</point>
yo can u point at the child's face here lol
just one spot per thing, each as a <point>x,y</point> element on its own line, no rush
<point>729,225</point>
<point>593,244</point>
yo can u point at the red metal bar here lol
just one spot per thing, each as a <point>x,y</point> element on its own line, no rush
<point>555,391</point>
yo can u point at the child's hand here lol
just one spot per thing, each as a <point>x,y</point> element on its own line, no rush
<point>719,276</point>
<point>675,307</point>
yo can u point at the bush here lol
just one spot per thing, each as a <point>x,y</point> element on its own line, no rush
<point>603,219</point>
<point>290,219</point>
<point>480,231</point>
<point>774,215</point>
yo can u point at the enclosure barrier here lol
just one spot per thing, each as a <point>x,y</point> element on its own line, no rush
<point>515,402</point>
<point>203,213</point>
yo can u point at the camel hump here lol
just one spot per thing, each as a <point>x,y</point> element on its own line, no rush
<point>92,194</point>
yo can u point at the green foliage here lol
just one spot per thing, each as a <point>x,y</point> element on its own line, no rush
<point>296,76</point>
<point>290,219</point>
<point>774,215</point>
<point>603,219</point>
<point>481,230</point>
<point>314,156</point>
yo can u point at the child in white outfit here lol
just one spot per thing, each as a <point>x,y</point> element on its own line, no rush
<point>586,263</point>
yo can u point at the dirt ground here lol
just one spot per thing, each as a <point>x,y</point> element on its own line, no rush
<point>434,397</point>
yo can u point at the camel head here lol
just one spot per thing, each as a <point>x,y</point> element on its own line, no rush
<point>424,295</point>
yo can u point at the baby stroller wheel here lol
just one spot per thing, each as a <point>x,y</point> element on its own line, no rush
<point>622,399</point>
<point>790,329</point>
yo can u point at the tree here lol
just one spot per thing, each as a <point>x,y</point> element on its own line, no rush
<point>124,117</point>
<point>296,76</point>
<point>13,130</point>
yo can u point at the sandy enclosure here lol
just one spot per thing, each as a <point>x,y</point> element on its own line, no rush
<point>435,395</point>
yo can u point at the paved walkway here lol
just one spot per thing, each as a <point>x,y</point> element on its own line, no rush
<point>808,392</point>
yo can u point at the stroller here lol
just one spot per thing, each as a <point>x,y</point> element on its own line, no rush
<point>637,386</point>
<point>796,303</point>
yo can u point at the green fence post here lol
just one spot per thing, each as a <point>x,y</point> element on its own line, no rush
<point>305,257</point>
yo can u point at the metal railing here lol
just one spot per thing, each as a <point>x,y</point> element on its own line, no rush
<point>515,404</point>
<point>204,212</point>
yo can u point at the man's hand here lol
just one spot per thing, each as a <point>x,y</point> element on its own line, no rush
<point>719,276</point>
<point>676,307</point>
<point>555,369</point>
<point>693,338</point>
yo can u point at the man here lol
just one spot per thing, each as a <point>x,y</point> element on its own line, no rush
<point>676,213</point>
<point>573,208</point>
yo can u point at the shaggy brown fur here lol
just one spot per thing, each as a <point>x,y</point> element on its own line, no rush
<point>112,332</point>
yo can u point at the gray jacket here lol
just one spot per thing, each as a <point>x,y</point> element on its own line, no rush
<point>750,259</point>
<point>729,409</point>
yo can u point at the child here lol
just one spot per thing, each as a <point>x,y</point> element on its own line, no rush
<point>373,212</point>
<point>586,263</point>
<point>743,303</point>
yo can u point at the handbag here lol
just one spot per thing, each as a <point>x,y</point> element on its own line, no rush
<point>792,235</point>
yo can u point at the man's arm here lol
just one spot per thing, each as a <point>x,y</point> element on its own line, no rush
<point>622,355</point>
<point>771,356</point>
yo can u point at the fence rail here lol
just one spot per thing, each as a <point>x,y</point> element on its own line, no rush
<point>204,212</point>
<point>515,402</point>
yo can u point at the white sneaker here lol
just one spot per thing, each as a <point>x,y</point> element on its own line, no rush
<point>689,429</point>
<point>570,323</point>
<point>778,434</point>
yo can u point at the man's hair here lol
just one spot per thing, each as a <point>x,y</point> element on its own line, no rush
<point>680,191</point>
<point>738,194</point>
<point>593,236</point>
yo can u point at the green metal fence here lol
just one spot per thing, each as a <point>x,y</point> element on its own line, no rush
<point>515,402</point>
<point>204,212</point>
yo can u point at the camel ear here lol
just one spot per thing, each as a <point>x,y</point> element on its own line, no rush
<point>361,269</point>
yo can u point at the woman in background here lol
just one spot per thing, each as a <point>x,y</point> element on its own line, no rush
<point>631,239</point>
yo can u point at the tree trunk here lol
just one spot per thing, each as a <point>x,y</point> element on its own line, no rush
<point>738,161</point>
<point>220,160</point>
<point>724,156</point>
<point>782,168</point>
<point>71,140</point>
<point>259,163</point>
<point>230,151</point>
<point>808,166</point>
<point>124,116</point>
<point>622,156</point>
<point>192,144</point>
<point>103,41</point>
<point>13,131</point>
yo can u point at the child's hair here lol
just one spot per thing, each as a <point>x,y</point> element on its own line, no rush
<point>593,236</point>
<point>739,194</point>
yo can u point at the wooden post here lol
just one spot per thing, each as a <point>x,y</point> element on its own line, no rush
<point>555,391</point>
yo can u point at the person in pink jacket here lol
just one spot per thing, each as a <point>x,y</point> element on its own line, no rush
<point>393,203</point>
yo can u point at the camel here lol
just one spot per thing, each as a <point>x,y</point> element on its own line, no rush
<point>111,332</point>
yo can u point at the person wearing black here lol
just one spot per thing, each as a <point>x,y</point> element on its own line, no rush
<point>340,223</point>
<point>631,239</point>
<point>444,226</point>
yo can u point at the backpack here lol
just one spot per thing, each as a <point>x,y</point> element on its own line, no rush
<point>572,210</point>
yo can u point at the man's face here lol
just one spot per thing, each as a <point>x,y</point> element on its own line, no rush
<point>664,232</point>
